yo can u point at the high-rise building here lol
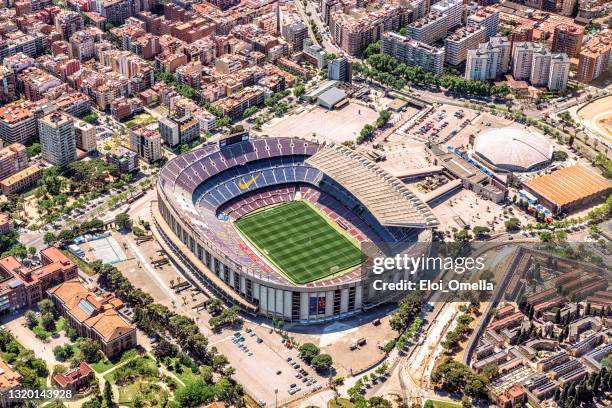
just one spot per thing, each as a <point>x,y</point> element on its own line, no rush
<point>68,23</point>
<point>540,66</point>
<point>175,131</point>
<point>487,17</point>
<point>568,7</point>
<point>85,134</point>
<point>559,72</point>
<point>57,140</point>
<point>522,56</point>
<point>454,9</point>
<point>430,28</point>
<point>595,59</point>
<point>13,159</point>
<point>420,8</point>
<point>147,143</point>
<point>412,52</point>
<point>460,41</point>
<point>340,69</point>
<point>489,60</point>
<point>354,32</point>
<point>294,32</point>
<point>567,39</point>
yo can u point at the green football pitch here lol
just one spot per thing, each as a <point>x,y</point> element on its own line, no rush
<point>295,238</point>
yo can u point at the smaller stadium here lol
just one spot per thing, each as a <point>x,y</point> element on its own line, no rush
<point>510,149</point>
<point>282,226</point>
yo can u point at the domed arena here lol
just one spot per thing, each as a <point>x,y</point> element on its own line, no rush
<point>283,226</point>
<point>510,149</point>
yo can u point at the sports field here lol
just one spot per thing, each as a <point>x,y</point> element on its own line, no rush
<point>299,241</point>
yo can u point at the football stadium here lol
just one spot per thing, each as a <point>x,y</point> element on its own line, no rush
<point>282,227</point>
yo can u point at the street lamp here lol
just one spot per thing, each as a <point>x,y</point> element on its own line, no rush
<point>276,398</point>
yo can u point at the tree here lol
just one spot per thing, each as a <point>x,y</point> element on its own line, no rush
<point>31,319</point>
<point>47,321</point>
<point>560,155</point>
<point>90,350</point>
<point>513,224</point>
<point>298,89</point>
<point>480,231</point>
<point>108,395</point>
<point>46,306</point>
<point>428,404</point>
<point>466,402</point>
<point>309,351</point>
<point>49,238</point>
<point>123,221</point>
<point>322,362</point>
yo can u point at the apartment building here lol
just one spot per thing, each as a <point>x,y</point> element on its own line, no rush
<point>22,286</point>
<point>487,17</point>
<point>18,123</point>
<point>68,23</point>
<point>412,52</point>
<point>95,317</point>
<point>178,130</point>
<point>567,38</point>
<point>458,43</point>
<point>559,72</point>
<point>353,32</point>
<point>339,69</point>
<point>489,61</point>
<point>35,82</point>
<point>57,138</point>
<point>429,29</point>
<point>234,105</point>
<point>85,134</point>
<point>125,160</point>
<point>146,142</point>
<point>454,10</point>
<point>294,31</point>
<point>21,180</point>
<point>595,59</point>
<point>13,159</point>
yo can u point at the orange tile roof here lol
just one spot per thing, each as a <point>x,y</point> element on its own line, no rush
<point>9,378</point>
<point>568,185</point>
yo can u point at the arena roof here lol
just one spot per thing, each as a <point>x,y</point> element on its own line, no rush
<point>385,196</point>
<point>513,149</point>
<point>568,185</point>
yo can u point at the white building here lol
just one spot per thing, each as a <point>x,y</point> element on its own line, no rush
<point>540,66</point>
<point>85,134</point>
<point>521,60</point>
<point>489,61</point>
<point>559,72</point>
<point>430,28</point>
<point>57,140</point>
<point>412,52</point>
<point>487,17</point>
<point>454,10</point>
<point>462,40</point>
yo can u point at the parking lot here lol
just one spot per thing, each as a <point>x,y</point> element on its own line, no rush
<point>256,368</point>
<point>336,125</point>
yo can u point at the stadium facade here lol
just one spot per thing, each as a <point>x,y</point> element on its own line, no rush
<point>202,193</point>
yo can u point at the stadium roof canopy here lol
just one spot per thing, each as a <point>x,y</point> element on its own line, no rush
<point>386,197</point>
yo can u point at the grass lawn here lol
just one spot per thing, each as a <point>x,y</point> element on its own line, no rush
<point>84,266</point>
<point>102,366</point>
<point>142,119</point>
<point>340,403</point>
<point>300,242</point>
<point>187,376</point>
<point>445,404</point>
